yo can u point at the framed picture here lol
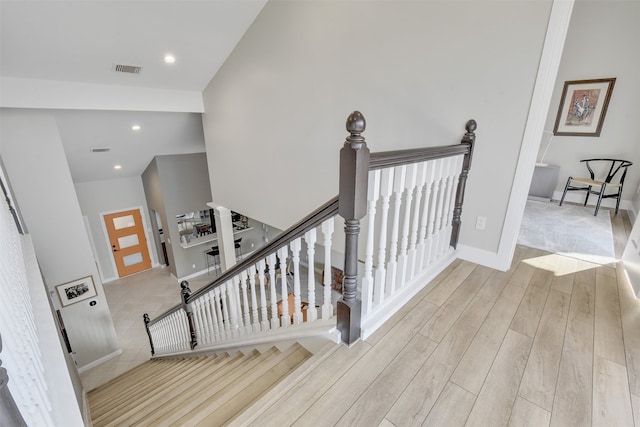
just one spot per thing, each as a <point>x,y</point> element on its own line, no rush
<point>76,291</point>
<point>583,107</point>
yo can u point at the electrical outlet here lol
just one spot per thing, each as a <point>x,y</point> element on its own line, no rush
<point>481,222</point>
<point>193,266</point>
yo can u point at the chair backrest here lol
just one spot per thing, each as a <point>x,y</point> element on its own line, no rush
<point>615,166</point>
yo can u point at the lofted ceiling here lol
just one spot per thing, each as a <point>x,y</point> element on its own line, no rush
<point>76,44</point>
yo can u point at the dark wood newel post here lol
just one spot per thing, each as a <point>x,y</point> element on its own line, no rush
<point>186,306</point>
<point>352,206</point>
<point>147,320</point>
<point>469,138</point>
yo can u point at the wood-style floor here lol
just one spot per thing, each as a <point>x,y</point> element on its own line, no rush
<point>553,341</point>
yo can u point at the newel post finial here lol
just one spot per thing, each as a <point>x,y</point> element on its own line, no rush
<point>352,206</point>
<point>469,139</point>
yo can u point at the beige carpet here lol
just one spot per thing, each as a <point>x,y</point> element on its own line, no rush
<point>568,230</point>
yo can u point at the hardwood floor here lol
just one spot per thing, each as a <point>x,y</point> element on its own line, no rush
<point>554,341</point>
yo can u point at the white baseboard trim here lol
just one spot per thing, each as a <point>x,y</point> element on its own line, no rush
<point>110,279</point>
<point>100,361</point>
<point>192,275</point>
<point>579,198</point>
<point>483,257</point>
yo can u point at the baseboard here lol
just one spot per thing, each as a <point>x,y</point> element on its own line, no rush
<point>100,361</point>
<point>579,198</point>
<point>192,275</point>
<point>487,258</point>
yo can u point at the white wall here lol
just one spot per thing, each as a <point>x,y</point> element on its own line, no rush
<point>36,166</point>
<point>602,42</point>
<point>99,197</point>
<point>417,71</point>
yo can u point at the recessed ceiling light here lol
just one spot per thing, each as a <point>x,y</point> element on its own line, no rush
<point>169,59</point>
<point>135,128</point>
<point>117,167</point>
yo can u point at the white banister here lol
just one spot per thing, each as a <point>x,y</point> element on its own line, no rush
<point>327,306</point>
<point>392,266</point>
<point>373,194</point>
<point>416,217</point>
<point>275,321</point>
<point>386,189</point>
<point>264,316</point>
<point>255,322</point>
<point>310,240</point>
<point>296,246</point>
<point>409,188</point>
<point>285,320</point>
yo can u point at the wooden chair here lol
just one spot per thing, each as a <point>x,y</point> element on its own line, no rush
<point>591,185</point>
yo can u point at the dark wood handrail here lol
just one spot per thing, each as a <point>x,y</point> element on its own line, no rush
<point>388,159</point>
<point>314,219</point>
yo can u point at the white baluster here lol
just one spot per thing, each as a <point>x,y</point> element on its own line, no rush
<point>275,322</point>
<point>449,197</point>
<point>283,253</point>
<point>310,240</point>
<point>212,315</point>
<point>421,252</point>
<point>433,213</point>
<point>255,321</point>
<point>386,189</point>
<point>373,192</point>
<point>446,234</point>
<point>409,188</point>
<point>264,316</point>
<point>246,317</point>
<point>441,216</point>
<point>392,266</point>
<point>228,301</point>
<point>417,219</point>
<point>327,305</point>
<point>296,246</point>
<point>198,325</point>
<point>207,319</point>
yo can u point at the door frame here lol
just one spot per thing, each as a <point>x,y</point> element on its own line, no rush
<point>153,256</point>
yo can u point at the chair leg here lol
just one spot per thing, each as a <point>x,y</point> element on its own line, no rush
<point>564,193</point>
<point>586,199</point>
<point>618,199</point>
<point>602,188</point>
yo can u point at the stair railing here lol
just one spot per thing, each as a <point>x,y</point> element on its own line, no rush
<point>247,304</point>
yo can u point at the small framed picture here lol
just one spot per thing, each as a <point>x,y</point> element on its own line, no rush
<point>76,291</point>
<point>583,107</point>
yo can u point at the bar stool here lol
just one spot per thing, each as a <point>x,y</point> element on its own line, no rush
<point>236,243</point>
<point>215,254</point>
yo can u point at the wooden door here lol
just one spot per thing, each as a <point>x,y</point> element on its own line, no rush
<point>128,242</point>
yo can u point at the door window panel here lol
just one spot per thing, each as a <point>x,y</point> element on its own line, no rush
<point>128,241</point>
<point>123,222</point>
<point>132,259</point>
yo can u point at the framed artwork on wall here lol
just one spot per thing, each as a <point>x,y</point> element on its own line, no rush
<point>76,291</point>
<point>583,107</point>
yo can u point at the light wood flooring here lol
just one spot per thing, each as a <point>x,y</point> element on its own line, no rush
<point>553,341</point>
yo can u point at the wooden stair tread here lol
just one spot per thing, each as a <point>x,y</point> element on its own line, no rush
<point>125,392</point>
<point>165,394</point>
<point>204,390</point>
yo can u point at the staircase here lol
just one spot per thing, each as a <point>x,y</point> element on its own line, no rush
<point>206,391</point>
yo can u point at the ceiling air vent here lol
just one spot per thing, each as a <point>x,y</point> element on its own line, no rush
<point>100,150</point>
<point>131,69</point>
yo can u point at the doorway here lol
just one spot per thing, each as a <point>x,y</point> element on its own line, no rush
<point>128,242</point>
